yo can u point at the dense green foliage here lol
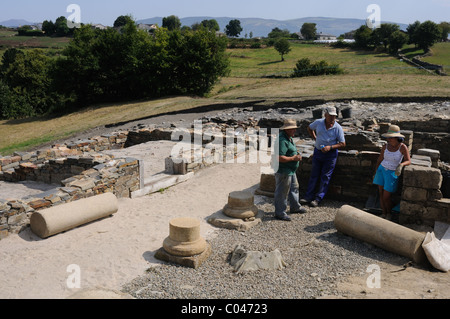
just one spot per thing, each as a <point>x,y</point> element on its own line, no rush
<point>305,67</point>
<point>25,84</point>
<point>59,28</point>
<point>233,28</point>
<point>111,65</point>
<point>423,35</point>
<point>309,30</point>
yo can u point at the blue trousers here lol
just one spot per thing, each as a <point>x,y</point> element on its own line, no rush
<point>323,165</point>
<point>286,188</point>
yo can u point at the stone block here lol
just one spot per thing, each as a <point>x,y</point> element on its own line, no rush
<point>5,161</point>
<point>418,162</point>
<point>433,154</point>
<point>410,208</point>
<point>434,213</point>
<point>347,160</point>
<point>373,156</point>
<point>422,177</point>
<point>180,167</point>
<point>75,169</point>
<point>414,194</point>
<point>434,194</point>
<point>16,219</point>
<point>221,220</point>
<point>39,203</point>
<point>168,165</point>
<point>422,158</point>
<point>84,184</point>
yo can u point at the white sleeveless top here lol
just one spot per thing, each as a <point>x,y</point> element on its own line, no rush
<point>392,159</point>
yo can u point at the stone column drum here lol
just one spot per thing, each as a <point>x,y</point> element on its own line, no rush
<point>266,185</point>
<point>381,233</point>
<point>60,218</point>
<point>240,205</point>
<point>184,238</point>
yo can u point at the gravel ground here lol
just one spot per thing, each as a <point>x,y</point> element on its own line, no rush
<point>317,258</point>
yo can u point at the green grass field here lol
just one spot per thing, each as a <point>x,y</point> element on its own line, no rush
<point>367,75</point>
<point>9,39</point>
<point>267,61</point>
<point>440,55</point>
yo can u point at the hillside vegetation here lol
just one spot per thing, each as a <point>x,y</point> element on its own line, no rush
<point>367,75</point>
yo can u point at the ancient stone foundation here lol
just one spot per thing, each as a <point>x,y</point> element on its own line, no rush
<point>79,169</point>
<point>82,171</point>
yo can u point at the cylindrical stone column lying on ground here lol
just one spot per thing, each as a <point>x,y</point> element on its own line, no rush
<point>184,238</point>
<point>381,233</point>
<point>240,205</point>
<point>56,219</point>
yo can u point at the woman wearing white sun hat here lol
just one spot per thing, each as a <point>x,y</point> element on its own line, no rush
<point>393,157</point>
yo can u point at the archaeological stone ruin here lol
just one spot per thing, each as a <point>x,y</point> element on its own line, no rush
<point>83,168</point>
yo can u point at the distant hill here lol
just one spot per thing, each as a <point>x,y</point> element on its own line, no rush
<point>262,27</point>
<point>14,23</point>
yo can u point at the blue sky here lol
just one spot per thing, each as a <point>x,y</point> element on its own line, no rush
<point>105,12</point>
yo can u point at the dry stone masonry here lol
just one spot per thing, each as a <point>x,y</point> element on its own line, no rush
<point>79,168</point>
<point>82,169</point>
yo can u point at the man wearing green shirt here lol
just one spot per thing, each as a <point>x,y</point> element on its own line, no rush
<point>286,187</point>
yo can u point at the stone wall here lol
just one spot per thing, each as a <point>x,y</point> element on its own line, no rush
<point>82,171</point>
<point>432,134</point>
<point>119,176</point>
<point>352,179</point>
<point>82,148</point>
<point>429,67</point>
<point>77,167</point>
<point>422,200</point>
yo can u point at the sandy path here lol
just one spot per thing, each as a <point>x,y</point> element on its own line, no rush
<point>115,250</point>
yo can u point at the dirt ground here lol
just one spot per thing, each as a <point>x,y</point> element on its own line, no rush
<point>399,282</point>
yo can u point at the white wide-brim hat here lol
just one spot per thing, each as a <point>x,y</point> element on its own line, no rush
<point>393,131</point>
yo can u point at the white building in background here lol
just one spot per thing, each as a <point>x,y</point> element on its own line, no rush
<point>147,27</point>
<point>323,36</point>
<point>99,26</point>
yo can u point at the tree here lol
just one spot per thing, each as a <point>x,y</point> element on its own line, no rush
<point>278,33</point>
<point>445,27</point>
<point>197,61</point>
<point>233,28</point>
<point>397,40</point>
<point>211,25</point>
<point>412,32</point>
<point>428,33</point>
<point>283,47</point>
<point>107,65</point>
<point>308,31</point>
<point>9,57</point>
<point>48,27</point>
<point>61,28</point>
<point>382,34</point>
<point>363,37</point>
<point>122,21</point>
<point>171,23</point>
<point>26,84</point>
